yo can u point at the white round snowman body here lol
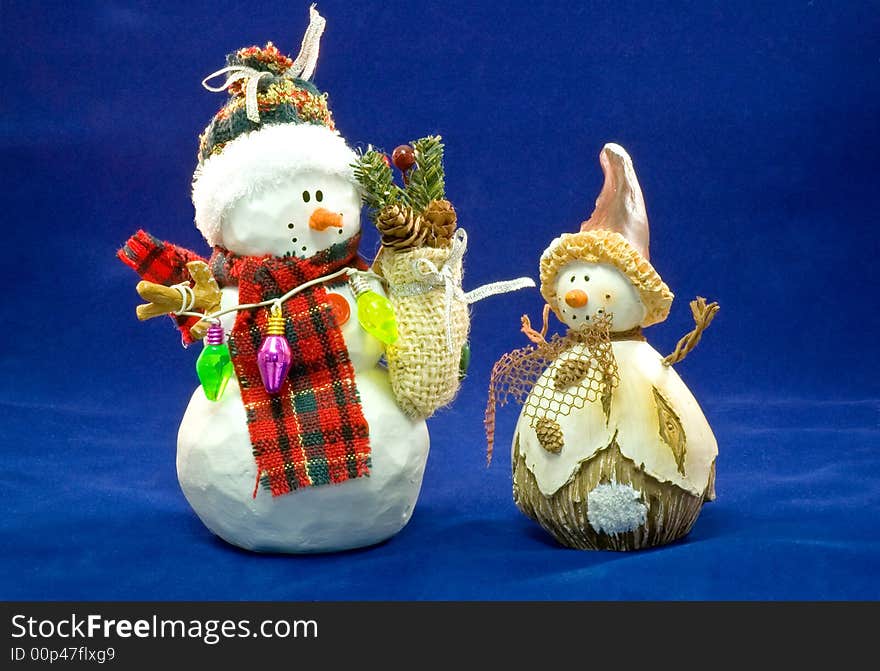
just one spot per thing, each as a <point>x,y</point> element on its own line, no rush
<point>300,214</point>
<point>628,476</point>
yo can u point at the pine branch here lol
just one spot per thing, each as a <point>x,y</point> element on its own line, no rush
<point>426,179</point>
<point>377,182</point>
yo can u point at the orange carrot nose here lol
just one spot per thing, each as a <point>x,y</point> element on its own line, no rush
<point>323,219</point>
<point>576,298</point>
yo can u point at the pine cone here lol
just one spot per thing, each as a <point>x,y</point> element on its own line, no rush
<point>549,434</point>
<point>570,372</point>
<point>441,218</point>
<point>400,228</point>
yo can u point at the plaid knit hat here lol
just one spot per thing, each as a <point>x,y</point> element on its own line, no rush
<point>275,124</point>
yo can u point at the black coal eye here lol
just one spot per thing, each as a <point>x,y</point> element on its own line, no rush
<point>306,197</point>
<point>572,278</point>
<point>607,295</point>
<point>319,196</point>
<point>586,278</point>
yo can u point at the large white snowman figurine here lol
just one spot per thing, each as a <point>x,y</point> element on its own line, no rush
<point>295,442</point>
<point>611,450</point>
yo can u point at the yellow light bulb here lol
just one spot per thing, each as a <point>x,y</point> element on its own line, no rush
<point>376,316</point>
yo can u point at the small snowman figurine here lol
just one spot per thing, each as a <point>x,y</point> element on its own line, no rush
<point>295,441</point>
<point>611,450</point>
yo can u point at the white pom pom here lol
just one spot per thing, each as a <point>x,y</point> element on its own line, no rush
<point>614,508</point>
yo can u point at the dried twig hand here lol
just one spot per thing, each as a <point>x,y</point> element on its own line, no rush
<point>162,300</point>
<point>537,337</point>
<point>703,314</point>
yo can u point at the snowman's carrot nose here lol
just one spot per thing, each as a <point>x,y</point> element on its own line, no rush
<point>576,298</point>
<point>323,219</point>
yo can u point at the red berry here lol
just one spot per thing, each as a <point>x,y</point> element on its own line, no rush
<point>385,158</point>
<point>403,157</point>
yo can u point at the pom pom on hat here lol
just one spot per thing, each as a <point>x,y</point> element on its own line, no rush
<point>265,59</point>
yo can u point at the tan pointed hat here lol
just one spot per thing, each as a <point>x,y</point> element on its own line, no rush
<point>616,233</point>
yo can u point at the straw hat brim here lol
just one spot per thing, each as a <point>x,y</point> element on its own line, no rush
<point>603,246</point>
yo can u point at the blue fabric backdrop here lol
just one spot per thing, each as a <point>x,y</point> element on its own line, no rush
<point>754,131</point>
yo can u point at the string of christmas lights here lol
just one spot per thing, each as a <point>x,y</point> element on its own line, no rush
<point>214,365</point>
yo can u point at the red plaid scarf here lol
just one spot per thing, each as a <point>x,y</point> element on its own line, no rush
<point>313,432</point>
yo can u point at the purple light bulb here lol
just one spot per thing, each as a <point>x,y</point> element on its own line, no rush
<point>274,356</point>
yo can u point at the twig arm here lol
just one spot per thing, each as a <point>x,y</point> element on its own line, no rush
<point>162,300</point>
<point>703,314</point>
<point>537,337</point>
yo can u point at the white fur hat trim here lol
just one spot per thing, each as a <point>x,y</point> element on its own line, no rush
<point>261,159</point>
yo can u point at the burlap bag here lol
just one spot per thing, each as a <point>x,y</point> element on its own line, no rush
<point>424,286</point>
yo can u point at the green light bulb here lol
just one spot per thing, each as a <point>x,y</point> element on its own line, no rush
<point>376,316</point>
<point>214,365</point>
<point>465,361</point>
